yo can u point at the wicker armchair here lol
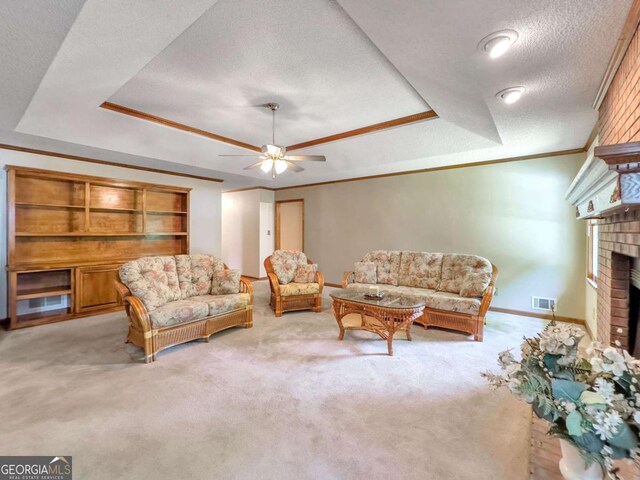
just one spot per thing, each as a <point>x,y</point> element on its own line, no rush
<point>281,302</point>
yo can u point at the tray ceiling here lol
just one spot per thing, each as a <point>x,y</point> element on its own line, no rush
<point>332,65</point>
<point>307,55</point>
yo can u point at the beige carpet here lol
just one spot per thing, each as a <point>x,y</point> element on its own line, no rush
<point>283,400</point>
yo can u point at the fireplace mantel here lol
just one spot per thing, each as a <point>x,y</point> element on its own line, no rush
<point>608,182</point>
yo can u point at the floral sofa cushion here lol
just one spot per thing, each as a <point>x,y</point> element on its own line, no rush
<point>420,269</point>
<point>455,267</point>
<point>179,311</point>
<point>219,304</point>
<point>293,288</point>
<point>152,279</point>
<point>285,263</point>
<point>387,265</point>
<point>451,302</point>
<point>474,284</point>
<point>225,282</point>
<point>365,272</point>
<point>306,273</point>
<point>446,301</point>
<point>195,272</point>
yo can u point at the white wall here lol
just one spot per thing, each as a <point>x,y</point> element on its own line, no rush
<point>240,231</point>
<point>267,225</point>
<point>205,199</point>
<point>247,216</point>
<point>514,214</point>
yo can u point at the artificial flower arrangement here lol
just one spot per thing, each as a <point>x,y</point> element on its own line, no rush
<point>592,400</point>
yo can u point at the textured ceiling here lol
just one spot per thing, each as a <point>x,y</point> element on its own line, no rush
<point>308,55</point>
<point>339,65</point>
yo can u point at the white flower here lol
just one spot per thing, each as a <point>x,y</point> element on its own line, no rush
<point>569,406</point>
<point>596,364</point>
<point>606,389</point>
<point>560,339</point>
<point>616,363</point>
<point>636,417</point>
<point>606,424</point>
<point>505,358</point>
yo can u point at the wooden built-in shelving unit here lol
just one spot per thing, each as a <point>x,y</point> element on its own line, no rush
<point>68,235</point>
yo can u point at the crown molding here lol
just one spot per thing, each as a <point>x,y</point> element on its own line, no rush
<point>47,153</point>
<point>628,31</point>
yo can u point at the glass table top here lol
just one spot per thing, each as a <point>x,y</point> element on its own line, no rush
<point>390,300</point>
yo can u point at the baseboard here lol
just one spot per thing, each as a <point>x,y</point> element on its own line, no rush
<point>543,316</point>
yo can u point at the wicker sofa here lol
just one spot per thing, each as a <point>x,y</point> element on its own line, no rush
<point>287,294</point>
<point>457,289</point>
<point>176,299</point>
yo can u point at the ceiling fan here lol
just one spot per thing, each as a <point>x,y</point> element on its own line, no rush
<point>274,157</point>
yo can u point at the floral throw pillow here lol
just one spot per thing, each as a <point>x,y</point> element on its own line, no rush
<point>474,284</point>
<point>306,273</point>
<point>285,263</point>
<point>225,282</point>
<point>365,272</point>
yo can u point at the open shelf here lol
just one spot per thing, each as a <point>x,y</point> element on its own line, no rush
<point>115,209</point>
<point>165,212</point>
<point>47,205</point>
<point>98,234</point>
<point>43,292</point>
<point>31,319</point>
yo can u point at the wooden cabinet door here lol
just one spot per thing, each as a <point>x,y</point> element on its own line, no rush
<point>95,288</point>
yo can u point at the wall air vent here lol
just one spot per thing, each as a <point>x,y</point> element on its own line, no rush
<point>541,303</point>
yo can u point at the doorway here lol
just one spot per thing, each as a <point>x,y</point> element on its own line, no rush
<point>290,225</point>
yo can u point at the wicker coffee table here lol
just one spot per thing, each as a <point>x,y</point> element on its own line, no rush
<point>384,317</point>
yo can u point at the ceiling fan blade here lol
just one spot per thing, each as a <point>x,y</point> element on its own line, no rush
<point>294,167</point>
<point>254,155</point>
<point>301,158</point>
<point>255,165</point>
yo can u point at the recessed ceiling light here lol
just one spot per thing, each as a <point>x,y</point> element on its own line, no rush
<point>498,43</point>
<point>510,95</point>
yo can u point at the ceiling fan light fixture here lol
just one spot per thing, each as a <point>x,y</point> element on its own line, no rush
<point>497,44</point>
<point>274,150</point>
<point>266,166</point>
<point>280,166</point>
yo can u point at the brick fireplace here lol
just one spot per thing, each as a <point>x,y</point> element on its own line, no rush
<point>619,244</point>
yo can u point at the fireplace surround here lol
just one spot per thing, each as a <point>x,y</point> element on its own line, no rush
<point>608,188</point>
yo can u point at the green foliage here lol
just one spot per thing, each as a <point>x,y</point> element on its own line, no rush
<point>624,437</point>
<point>574,424</point>
<point>566,389</point>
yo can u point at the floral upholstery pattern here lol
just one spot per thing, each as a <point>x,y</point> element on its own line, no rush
<point>387,265</point>
<point>450,302</point>
<point>446,301</point>
<point>225,282</point>
<point>152,279</point>
<point>293,288</point>
<point>306,273</point>
<point>285,263</point>
<point>420,269</point>
<point>195,272</point>
<point>456,267</point>
<point>219,304</point>
<point>365,272</point>
<point>179,311</point>
<point>474,284</point>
